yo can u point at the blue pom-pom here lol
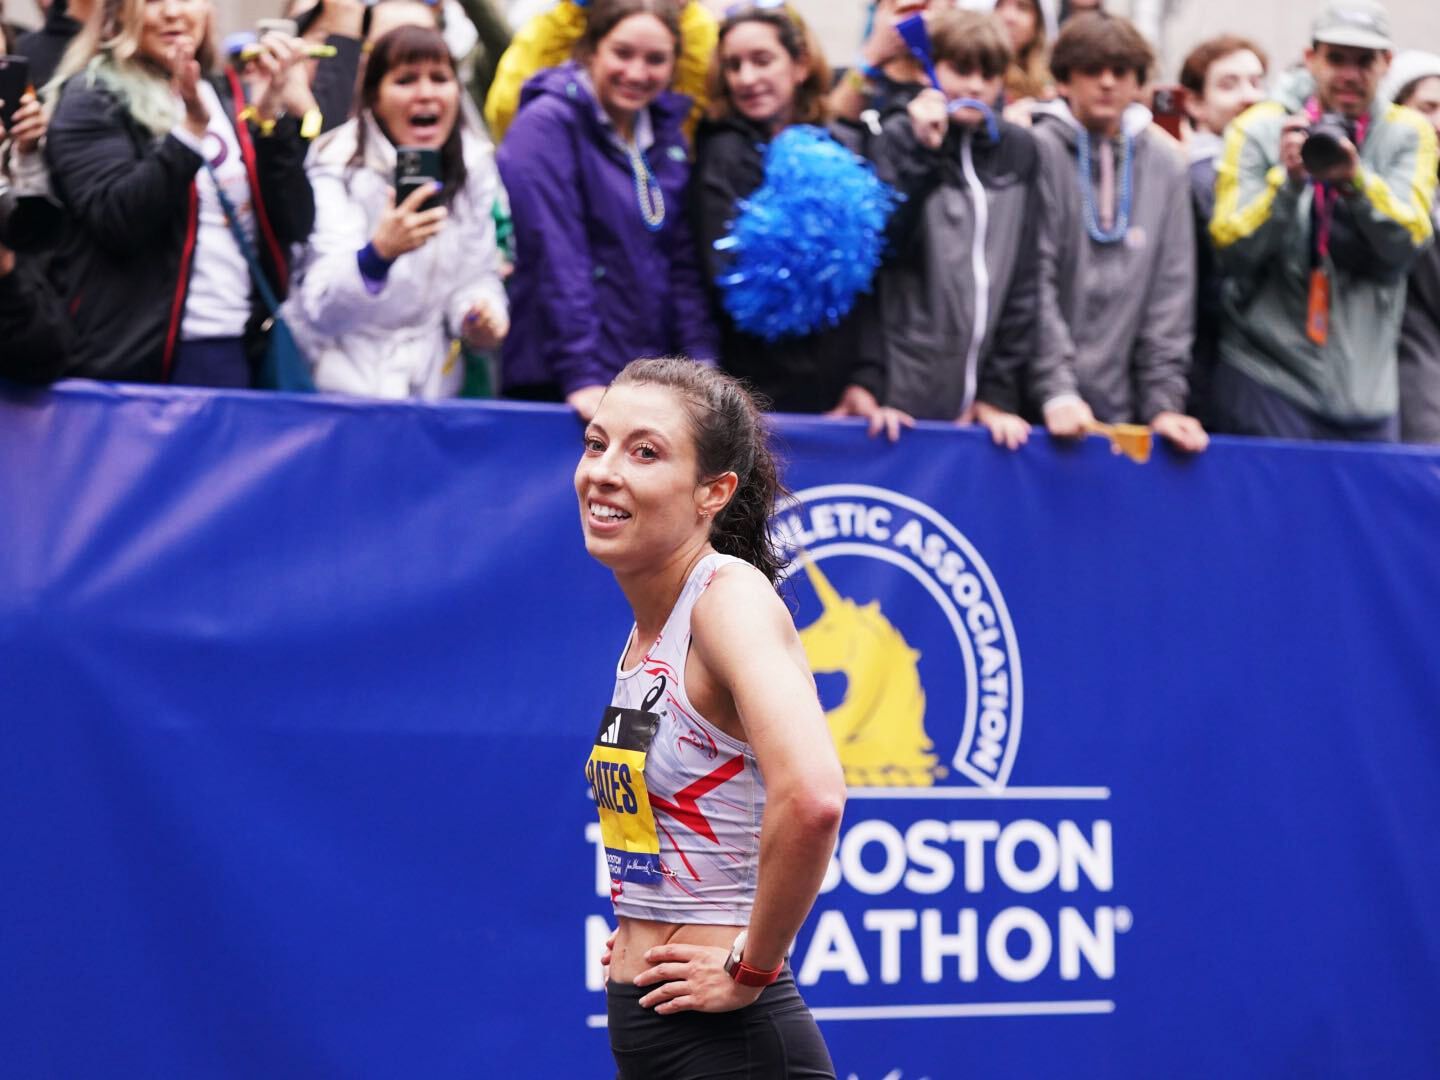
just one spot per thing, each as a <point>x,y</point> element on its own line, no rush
<point>808,241</point>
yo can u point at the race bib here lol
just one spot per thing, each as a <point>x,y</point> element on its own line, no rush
<point>616,771</point>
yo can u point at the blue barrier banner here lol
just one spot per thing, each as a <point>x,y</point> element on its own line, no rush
<point>297,695</point>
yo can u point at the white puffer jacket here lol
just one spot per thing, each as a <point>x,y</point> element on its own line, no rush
<point>397,342</point>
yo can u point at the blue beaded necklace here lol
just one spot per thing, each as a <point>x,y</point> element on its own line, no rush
<point>647,189</point>
<point>1116,232</point>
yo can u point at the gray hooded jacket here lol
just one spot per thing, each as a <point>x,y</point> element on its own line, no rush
<point>1117,320</point>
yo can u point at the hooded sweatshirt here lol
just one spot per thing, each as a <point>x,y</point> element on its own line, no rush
<point>959,294</point>
<point>593,287</point>
<point>1118,319</point>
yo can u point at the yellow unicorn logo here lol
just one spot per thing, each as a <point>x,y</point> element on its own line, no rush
<point>879,728</point>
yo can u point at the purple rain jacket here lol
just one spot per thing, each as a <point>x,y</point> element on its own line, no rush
<point>593,288</point>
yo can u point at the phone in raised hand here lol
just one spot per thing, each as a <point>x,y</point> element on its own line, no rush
<point>416,166</point>
<point>14,82</point>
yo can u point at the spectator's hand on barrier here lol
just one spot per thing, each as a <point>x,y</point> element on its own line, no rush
<point>693,978</point>
<point>1006,429</point>
<point>185,81</point>
<point>929,118</point>
<point>1068,419</point>
<point>1180,431</point>
<point>485,326</point>
<point>585,401</point>
<point>1293,134</point>
<point>28,127</point>
<point>406,227</point>
<point>857,401</point>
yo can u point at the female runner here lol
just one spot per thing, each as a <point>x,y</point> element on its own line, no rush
<point>717,783</point>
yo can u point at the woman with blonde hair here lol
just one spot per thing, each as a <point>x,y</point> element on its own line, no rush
<point>160,169</point>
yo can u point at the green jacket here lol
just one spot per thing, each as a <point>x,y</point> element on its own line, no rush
<point>1262,234</point>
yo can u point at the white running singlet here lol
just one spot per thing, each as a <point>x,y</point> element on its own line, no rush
<point>680,801</point>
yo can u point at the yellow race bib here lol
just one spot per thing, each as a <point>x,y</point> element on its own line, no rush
<point>616,771</point>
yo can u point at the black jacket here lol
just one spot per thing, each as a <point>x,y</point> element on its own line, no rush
<point>44,47</point>
<point>124,267</point>
<point>35,336</point>
<point>32,326</point>
<point>804,375</point>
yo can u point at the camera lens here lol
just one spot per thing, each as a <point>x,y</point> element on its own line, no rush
<point>1324,148</point>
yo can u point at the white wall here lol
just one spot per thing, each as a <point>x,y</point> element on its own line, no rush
<point>1281,26</point>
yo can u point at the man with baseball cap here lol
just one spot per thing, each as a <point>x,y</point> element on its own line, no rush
<point>1322,206</point>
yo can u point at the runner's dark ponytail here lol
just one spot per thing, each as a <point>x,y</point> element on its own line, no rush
<point>731,435</point>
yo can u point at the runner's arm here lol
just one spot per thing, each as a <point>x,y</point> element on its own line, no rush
<point>745,637</point>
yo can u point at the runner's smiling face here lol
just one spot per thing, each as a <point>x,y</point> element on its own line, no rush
<point>637,480</point>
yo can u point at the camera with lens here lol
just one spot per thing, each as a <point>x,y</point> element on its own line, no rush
<point>1324,146</point>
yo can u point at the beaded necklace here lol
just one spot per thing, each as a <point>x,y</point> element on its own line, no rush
<point>1116,232</point>
<point>647,189</point>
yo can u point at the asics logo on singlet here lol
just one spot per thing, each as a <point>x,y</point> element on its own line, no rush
<point>916,658</point>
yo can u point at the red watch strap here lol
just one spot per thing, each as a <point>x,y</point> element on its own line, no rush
<point>746,975</point>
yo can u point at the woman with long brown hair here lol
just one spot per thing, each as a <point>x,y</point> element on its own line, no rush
<point>391,283</point>
<point>717,784</point>
<point>769,75</point>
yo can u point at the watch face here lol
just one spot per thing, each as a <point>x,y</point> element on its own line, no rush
<point>737,950</point>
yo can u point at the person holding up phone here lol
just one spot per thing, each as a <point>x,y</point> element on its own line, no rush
<point>393,283</point>
<point>33,326</point>
<point>150,158</point>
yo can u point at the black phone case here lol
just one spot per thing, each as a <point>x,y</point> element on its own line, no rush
<point>14,81</point>
<point>413,169</point>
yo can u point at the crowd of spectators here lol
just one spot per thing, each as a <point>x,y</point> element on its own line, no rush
<point>1073,242</point>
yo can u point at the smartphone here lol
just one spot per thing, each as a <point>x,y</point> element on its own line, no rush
<point>415,167</point>
<point>14,82</point>
<point>1169,108</point>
